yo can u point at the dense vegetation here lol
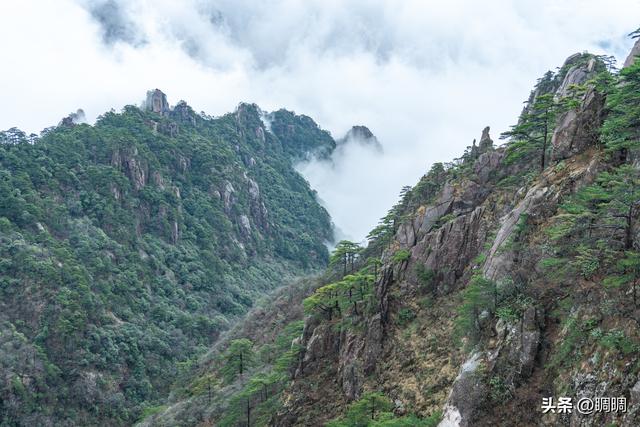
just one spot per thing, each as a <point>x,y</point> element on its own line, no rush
<point>126,248</point>
<point>592,236</point>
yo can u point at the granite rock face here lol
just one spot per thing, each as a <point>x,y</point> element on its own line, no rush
<point>157,102</point>
<point>578,129</point>
<point>466,394</point>
<point>635,51</point>
<point>577,74</point>
<point>511,361</point>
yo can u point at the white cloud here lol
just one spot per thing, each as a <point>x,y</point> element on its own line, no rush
<point>424,76</point>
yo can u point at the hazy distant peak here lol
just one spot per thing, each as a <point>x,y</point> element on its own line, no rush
<point>362,135</point>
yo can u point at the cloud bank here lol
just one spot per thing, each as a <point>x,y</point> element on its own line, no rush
<point>424,76</point>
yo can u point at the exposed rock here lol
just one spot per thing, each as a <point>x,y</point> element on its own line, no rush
<point>184,113</point>
<point>258,208</point>
<point>497,265</point>
<point>539,202</point>
<point>135,169</point>
<point>577,74</point>
<point>373,343</point>
<point>350,367</point>
<point>168,128</point>
<point>158,180</point>
<point>448,249</point>
<point>635,392</point>
<point>352,380</point>
<point>184,163</point>
<point>321,342</point>
<point>501,329</point>
<point>361,135</point>
<point>254,189</point>
<point>115,192</point>
<point>467,393</point>
<point>406,234</point>
<point>260,135</point>
<point>578,129</point>
<point>245,226</point>
<point>529,341</point>
<point>514,359</point>
<point>153,125</point>
<point>635,51</point>
<point>441,207</point>
<point>157,102</point>
<point>228,197</point>
<point>486,143</point>
<point>486,164</point>
<point>251,162</point>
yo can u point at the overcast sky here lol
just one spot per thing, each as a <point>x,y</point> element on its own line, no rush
<point>424,76</point>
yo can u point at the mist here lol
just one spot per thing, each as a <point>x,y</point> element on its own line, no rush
<point>425,76</point>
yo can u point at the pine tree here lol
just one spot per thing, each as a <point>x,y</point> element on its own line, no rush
<point>239,357</point>
<point>345,255</point>
<point>621,129</point>
<point>534,130</point>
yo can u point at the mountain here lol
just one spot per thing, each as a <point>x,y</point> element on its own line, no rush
<point>502,279</point>
<point>128,247</point>
<point>363,136</point>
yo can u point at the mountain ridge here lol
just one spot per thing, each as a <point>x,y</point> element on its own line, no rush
<point>480,293</point>
<point>129,245</point>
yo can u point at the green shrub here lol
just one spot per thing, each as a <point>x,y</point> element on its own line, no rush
<point>401,256</point>
<point>426,278</point>
<point>405,316</point>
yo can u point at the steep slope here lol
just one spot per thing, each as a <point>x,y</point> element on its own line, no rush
<point>128,246</point>
<point>501,281</point>
<point>505,277</point>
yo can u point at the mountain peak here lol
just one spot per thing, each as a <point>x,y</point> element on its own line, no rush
<point>157,102</point>
<point>363,135</point>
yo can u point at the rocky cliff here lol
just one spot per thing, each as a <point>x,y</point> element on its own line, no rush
<point>503,278</point>
<point>487,231</point>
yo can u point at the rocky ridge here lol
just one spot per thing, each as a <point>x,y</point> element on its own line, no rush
<point>474,224</point>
